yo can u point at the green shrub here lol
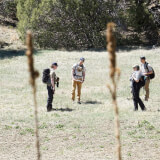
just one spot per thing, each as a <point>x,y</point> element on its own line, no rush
<point>69,24</point>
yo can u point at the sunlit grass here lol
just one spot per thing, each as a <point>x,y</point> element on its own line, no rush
<point>86,131</point>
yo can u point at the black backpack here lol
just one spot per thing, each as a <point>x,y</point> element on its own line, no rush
<point>46,75</point>
<point>151,76</point>
<point>142,81</point>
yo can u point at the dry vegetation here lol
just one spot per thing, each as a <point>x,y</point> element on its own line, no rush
<point>9,38</point>
<point>72,131</point>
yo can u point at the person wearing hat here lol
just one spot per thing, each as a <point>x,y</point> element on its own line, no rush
<point>51,86</point>
<point>78,77</point>
<point>146,70</point>
<point>135,78</point>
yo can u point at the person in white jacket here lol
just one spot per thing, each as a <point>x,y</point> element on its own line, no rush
<point>136,76</point>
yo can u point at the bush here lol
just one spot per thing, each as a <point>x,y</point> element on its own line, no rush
<point>78,24</point>
<point>8,9</point>
<point>69,24</point>
<point>141,20</point>
<point>8,12</point>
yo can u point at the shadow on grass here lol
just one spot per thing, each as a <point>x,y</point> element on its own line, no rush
<point>13,53</point>
<point>63,109</point>
<point>132,48</point>
<point>92,102</point>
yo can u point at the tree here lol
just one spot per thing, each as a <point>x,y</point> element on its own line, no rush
<point>70,24</point>
<point>142,21</point>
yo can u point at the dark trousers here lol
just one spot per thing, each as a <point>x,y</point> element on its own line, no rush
<point>136,98</point>
<point>50,97</point>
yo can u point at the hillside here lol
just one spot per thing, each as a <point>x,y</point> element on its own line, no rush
<point>9,38</point>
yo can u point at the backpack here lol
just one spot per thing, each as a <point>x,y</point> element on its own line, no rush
<point>46,75</point>
<point>142,81</point>
<point>151,76</point>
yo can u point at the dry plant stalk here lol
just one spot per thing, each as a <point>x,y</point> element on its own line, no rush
<point>114,75</point>
<point>33,75</point>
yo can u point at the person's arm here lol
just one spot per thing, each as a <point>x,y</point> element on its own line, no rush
<point>136,80</point>
<point>84,74</point>
<point>148,73</point>
<point>137,76</point>
<point>73,72</point>
<point>150,70</point>
<point>52,81</point>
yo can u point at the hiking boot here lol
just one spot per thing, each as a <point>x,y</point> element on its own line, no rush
<point>145,109</point>
<point>79,102</point>
<point>73,102</point>
<point>49,108</point>
<point>145,99</point>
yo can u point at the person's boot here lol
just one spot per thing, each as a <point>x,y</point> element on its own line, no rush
<point>146,99</point>
<point>49,108</point>
<point>79,102</point>
<point>73,102</point>
<point>145,109</point>
<point>135,109</point>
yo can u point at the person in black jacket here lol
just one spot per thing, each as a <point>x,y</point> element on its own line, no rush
<point>136,85</point>
<point>51,86</point>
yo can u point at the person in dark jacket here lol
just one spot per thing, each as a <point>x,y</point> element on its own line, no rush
<point>135,78</point>
<point>51,86</point>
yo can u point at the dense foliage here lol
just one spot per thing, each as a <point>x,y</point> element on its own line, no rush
<point>80,24</point>
<point>70,24</point>
<point>8,12</point>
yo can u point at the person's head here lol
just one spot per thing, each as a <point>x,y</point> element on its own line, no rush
<point>81,60</point>
<point>136,67</point>
<point>143,59</point>
<point>54,65</point>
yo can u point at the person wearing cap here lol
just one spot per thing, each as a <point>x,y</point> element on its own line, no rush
<point>135,78</point>
<point>146,70</point>
<point>51,86</point>
<point>78,77</point>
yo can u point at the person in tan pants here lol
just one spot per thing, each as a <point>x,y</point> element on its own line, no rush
<point>146,70</point>
<point>78,77</point>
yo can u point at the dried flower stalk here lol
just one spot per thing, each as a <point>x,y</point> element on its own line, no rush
<point>114,75</point>
<point>33,75</point>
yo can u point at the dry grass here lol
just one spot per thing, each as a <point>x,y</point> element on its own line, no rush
<point>85,131</point>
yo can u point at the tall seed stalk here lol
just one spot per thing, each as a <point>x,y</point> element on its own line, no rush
<point>33,75</point>
<point>114,76</point>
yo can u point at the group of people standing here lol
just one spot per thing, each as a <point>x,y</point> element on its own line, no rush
<point>140,73</point>
<point>78,78</point>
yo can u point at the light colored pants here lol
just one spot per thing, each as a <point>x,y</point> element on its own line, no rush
<point>146,87</point>
<point>79,86</point>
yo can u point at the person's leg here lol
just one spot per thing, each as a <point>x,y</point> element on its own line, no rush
<point>73,89</point>
<point>139,100</point>
<point>79,86</point>
<point>50,98</point>
<point>146,87</point>
<point>141,104</point>
<point>135,101</point>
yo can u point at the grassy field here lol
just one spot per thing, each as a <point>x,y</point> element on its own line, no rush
<point>72,131</point>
